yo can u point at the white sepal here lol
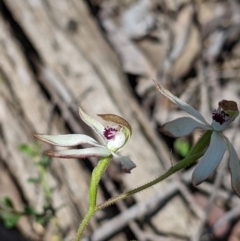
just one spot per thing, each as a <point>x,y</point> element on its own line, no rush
<point>234,166</point>
<point>181,104</point>
<point>127,163</point>
<point>94,124</point>
<point>67,140</point>
<point>210,160</point>
<point>182,126</point>
<point>80,153</point>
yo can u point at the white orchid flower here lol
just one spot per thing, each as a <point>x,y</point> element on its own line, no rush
<point>114,138</point>
<point>222,117</point>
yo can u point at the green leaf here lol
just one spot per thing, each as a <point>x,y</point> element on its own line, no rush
<point>182,147</point>
<point>8,202</point>
<point>28,149</point>
<point>33,180</point>
<point>41,220</point>
<point>45,161</point>
<point>10,219</point>
<point>29,210</point>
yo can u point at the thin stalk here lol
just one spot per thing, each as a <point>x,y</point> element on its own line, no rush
<point>93,189</point>
<point>46,188</point>
<point>195,153</point>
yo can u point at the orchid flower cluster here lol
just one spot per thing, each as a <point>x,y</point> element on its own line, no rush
<point>211,147</point>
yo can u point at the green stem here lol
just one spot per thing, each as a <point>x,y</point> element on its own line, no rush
<point>195,153</point>
<point>93,189</point>
<point>43,179</point>
<point>46,188</point>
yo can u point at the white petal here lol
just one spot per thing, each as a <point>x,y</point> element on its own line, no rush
<point>118,141</point>
<point>94,124</point>
<point>80,153</point>
<point>218,127</point>
<point>234,166</point>
<point>127,163</point>
<point>67,140</point>
<point>182,127</point>
<point>181,104</point>
<point>210,160</point>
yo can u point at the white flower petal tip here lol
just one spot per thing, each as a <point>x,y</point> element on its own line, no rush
<point>67,140</point>
<point>91,122</point>
<point>181,104</point>
<point>210,160</point>
<point>127,163</point>
<point>182,127</point>
<point>80,153</point>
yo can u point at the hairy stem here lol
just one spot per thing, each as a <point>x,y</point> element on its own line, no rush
<point>195,153</point>
<point>93,189</point>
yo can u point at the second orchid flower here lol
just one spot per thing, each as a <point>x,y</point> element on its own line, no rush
<point>222,117</point>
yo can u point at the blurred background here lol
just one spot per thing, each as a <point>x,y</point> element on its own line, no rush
<point>102,55</point>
